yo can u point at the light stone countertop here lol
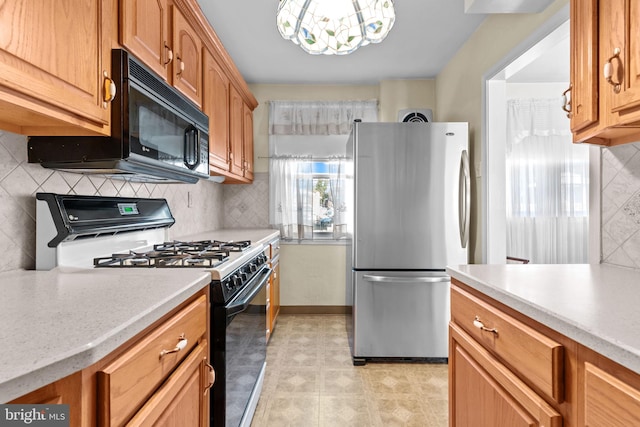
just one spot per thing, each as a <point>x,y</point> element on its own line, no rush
<point>595,305</point>
<point>258,236</point>
<point>54,323</point>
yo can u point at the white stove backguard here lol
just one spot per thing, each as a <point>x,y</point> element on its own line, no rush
<point>81,252</point>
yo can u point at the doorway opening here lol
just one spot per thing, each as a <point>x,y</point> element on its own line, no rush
<point>535,180</point>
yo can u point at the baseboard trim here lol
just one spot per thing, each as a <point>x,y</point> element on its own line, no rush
<point>315,309</point>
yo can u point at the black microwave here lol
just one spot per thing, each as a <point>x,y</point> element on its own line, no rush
<point>157,134</point>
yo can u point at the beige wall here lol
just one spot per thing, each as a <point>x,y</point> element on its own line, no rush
<point>314,274</point>
<point>455,95</point>
<point>459,87</point>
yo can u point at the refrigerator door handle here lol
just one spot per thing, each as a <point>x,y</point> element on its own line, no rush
<point>396,279</point>
<point>464,199</point>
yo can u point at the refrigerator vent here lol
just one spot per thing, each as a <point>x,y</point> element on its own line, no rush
<point>414,115</point>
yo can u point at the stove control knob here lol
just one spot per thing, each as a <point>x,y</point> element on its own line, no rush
<point>237,281</point>
<point>227,284</point>
<point>244,276</point>
<point>252,267</point>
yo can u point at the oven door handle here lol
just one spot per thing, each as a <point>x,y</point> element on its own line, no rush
<point>242,301</point>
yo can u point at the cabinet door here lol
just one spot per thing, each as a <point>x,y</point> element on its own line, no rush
<point>215,104</point>
<point>608,400</point>
<point>187,61</point>
<point>623,35</point>
<point>236,111</point>
<point>67,390</point>
<point>53,58</point>
<point>275,294</point>
<point>183,400</point>
<point>144,32</point>
<point>485,393</point>
<point>584,63</point>
<point>247,136</point>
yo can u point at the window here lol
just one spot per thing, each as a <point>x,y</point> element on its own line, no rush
<point>308,171</point>
<point>547,185</point>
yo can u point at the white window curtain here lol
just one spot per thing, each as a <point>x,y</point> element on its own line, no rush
<point>303,134</point>
<point>547,185</point>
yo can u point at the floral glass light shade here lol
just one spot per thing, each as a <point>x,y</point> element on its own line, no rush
<point>335,27</point>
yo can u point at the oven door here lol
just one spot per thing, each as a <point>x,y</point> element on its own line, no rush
<point>240,351</point>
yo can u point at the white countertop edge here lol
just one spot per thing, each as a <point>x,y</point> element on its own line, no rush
<point>96,349</point>
<point>615,350</point>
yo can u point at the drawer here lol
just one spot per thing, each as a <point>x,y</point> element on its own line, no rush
<point>535,357</point>
<point>126,384</point>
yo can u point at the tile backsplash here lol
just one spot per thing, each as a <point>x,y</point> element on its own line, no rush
<point>620,205</point>
<point>196,207</point>
<point>247,206</point>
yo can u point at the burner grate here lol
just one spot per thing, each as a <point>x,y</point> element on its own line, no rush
<point>164,258</point>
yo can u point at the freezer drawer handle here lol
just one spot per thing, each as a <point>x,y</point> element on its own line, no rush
<point>427,279</point>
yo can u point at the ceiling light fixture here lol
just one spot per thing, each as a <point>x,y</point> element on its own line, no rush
<point>335,27</point>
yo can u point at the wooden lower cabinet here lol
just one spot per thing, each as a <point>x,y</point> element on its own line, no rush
<point>161,377</point>
<point>274,296</point>
<point>609,393</point>
<point>485,393</point>
<point>489,388</point>
<point>183,399</point>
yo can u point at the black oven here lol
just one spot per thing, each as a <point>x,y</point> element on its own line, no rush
<point>239,347</point>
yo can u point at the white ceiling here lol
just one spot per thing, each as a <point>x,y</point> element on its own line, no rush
<point>426,35</point>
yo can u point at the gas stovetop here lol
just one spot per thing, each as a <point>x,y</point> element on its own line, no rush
<point>202,253</point>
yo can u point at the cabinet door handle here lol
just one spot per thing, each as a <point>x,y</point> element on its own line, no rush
<point>212,373</point>
<point>566,101</point>
<point>109,90</point>
<point>181,66</point>
<point>182,344</point>
<point>169,54</point>
<point>478,324</point>
<point>608,70</point>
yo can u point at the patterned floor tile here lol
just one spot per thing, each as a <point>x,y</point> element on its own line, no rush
<point>311,382</point>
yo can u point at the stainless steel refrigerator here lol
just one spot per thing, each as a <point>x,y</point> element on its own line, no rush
<point>410,211</point>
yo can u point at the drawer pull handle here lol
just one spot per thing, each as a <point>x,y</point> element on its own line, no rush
<point>182,343</point>
<point>212,374</point>
<point>478,324</point>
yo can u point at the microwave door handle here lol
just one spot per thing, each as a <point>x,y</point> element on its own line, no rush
<point>191,138</point>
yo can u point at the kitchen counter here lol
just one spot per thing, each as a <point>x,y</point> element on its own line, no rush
<point>595,305</point>
<point>257,236</point>
<point>58,322</point>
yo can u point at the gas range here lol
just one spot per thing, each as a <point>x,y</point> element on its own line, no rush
<point>116,232</point>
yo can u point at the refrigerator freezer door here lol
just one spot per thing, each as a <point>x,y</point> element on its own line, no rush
<point>400,315</point>
<point>407,204</point>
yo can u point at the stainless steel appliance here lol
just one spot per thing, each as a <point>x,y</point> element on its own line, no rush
<point>157,134</point>
<point>115,232</point>
<point>411,219</point>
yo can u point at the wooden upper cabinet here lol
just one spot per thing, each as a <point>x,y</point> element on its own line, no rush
<point>54,58</point>
<point>215,104</point>
<point>584,64</point>
<point>187,58</point>
<point>144,31</point>
<point>621,49</point>
<point>605,71</point>
<point>158,34</point>
<point>247,135</point>
<point>236,129</point>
